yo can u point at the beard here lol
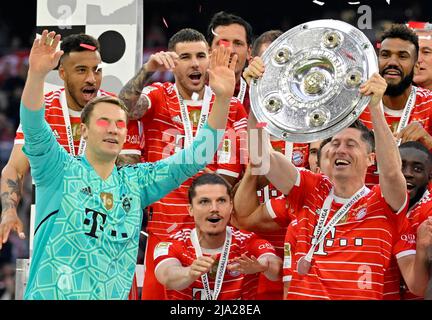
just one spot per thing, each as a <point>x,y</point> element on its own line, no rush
<point>394,90</point>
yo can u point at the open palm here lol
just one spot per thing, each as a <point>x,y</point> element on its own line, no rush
<point>43,55</point>
<point>221,71</point>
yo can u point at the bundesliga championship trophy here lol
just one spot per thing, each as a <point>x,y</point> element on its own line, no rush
<point>310,89</point>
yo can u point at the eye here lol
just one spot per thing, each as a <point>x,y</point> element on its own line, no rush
<point>102,123</point>
<point>121,124</point>
<point>418,169</point>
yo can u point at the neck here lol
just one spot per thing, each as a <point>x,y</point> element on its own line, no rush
<point>102,166</point>
<point>71,103</point>
<point>211,241</point>
<point>417,197</point>
<point>346,189</point>
<point>187,94</point>
<point>398,102</point>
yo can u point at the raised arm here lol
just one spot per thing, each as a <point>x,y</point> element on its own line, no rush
<point>266,161</point>
<point>391,179</point>
<point>42,59</point>
<point>11,190</point>
<point>131,92</point>
<point>248,213</point>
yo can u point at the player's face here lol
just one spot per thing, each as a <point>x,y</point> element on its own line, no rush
<point>106,131</point>
<point>211,208</point>
<point>397,59</point>
<point>82,77</point>
<point>324,166</point>
<point>416,170</point>
<point>235,35</point>
<point>191,69</point>
<point>313,155</point>
<point>423,72</point>
<point>348,156</point>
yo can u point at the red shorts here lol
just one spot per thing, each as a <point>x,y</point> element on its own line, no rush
<point>152,289</point>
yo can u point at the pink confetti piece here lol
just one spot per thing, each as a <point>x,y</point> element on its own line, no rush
<point>87,46</point>
<point>260,125</point>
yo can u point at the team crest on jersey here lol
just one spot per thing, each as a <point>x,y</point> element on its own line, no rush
<point>360,214</point>
<point>194,116</point>
<point>126,204</point>
<point>297,158</point>
<point>107,200</point>
<point>233,273</point>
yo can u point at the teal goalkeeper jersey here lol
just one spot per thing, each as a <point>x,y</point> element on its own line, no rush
<point>87,229</point>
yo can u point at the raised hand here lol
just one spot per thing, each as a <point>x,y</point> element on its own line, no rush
<point>375,87</point>
<point>43,55</point>
<point>162,61</point>
<point>221,71</point>
<point>254,70</point>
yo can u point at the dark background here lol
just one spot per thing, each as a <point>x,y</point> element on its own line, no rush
<point>18,18</point>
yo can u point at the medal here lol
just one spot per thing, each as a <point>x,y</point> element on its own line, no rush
<point>303,266</point>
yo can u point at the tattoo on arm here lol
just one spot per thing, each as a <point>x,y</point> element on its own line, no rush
<point>131,93</point>
<point>11,197</point>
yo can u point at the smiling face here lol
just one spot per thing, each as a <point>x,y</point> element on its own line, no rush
<point>349,156</point>
<point>191,69</point>
<point>106,131</point>
<point>211,209</point>
<point>416,169</point>
<point>397,59</point>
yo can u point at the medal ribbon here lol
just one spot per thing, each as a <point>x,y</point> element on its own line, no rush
<point>223,262</point>
<point>68,126</point>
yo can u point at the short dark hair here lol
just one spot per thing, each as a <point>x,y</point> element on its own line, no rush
<point>207,178</point>
<point>185,35</point>
<point>88,109</point>
<point>72,43</point>
<point>365,134</point>
<point>223,18</point>
<point>418,146</point>
<point>319,151</point>
<point>401,31</point>
<point>266,37</point>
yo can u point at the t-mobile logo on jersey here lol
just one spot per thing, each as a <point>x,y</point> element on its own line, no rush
<point>94,217</point>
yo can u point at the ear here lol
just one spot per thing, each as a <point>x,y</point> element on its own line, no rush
<point>61,72</point>
<point>371,159</point>
<point>84,131</point>
<point>249,54</point>
<point>190,209</point>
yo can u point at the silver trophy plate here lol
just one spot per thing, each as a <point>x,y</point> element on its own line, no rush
<point>310,87</point>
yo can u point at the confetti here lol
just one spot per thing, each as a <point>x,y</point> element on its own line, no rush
<point>87,46</point>
<point>224,43</point>
<point>260,125</point>
<point>318,2</point>
<point>214,33</point>
<point>165,23</point>
<point>354,3</point>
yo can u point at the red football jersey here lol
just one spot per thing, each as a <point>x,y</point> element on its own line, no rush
<point>164,134</point>
<point>235,284</point>
<point>352,260</point>
<point>422,112</point>
<point>54,101</point>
